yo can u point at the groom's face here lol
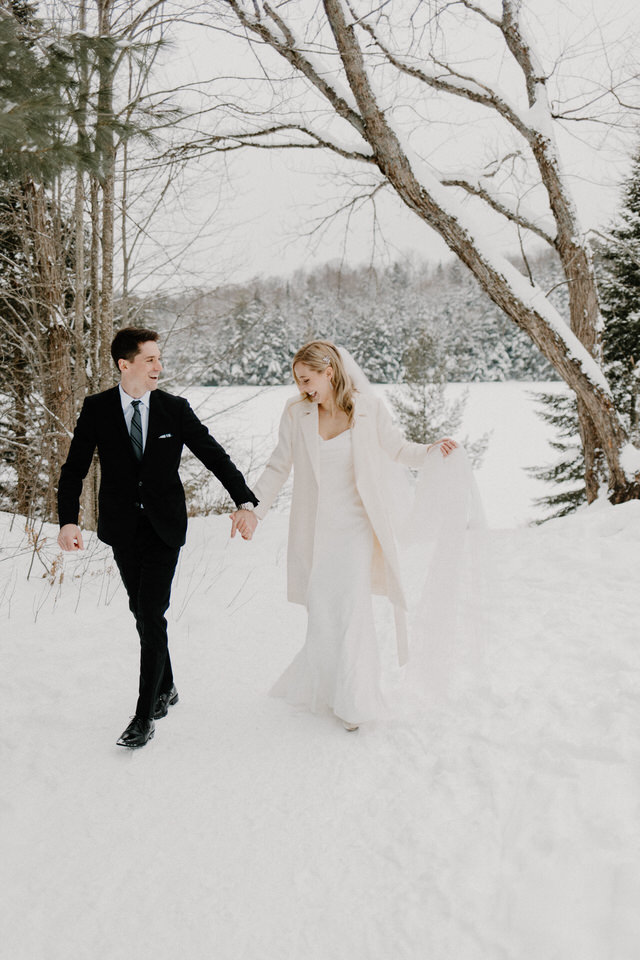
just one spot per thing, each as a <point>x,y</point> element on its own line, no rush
<point>141,373</point>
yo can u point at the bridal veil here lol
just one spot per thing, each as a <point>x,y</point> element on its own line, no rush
<point>441,534</point>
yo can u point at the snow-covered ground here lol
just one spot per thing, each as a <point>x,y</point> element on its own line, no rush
<point>504,825</point>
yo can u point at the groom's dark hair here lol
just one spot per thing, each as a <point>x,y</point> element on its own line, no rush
<point>126,343</point>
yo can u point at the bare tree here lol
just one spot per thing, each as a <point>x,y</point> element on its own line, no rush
<point>57,220</point>
<point>366,65</point>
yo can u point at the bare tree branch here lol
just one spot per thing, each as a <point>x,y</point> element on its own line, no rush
<point>224,143</point>
<point>477,191</point>
<point>483,13</point>
<point>469,88</point>
<point>290,52</point>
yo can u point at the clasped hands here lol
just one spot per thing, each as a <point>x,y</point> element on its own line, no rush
<point>244,522</point>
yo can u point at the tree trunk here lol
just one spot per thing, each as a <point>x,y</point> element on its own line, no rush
<point>585,323</point>
<point>94,337</point>
<point>584,309</point>
<point>24,458</point>
<point>105,148</point>
<point>124,301</point>
<point>572,247</point>
<point>79,296</point>
<point>105,362</point>
<point>80,286</point>
<point>57,391</point>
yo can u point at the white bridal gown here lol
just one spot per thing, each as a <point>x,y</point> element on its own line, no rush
<point>338,668</point>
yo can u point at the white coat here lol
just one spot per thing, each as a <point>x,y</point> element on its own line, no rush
<point>374,437</point>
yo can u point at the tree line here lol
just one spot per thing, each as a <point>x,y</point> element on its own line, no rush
<point>409,321</point>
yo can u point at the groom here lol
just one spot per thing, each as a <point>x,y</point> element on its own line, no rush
<point>139,432</point>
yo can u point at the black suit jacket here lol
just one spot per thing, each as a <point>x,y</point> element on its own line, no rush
<point>154,481</point>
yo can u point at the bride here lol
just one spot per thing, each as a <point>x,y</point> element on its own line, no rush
<point>342,546</point>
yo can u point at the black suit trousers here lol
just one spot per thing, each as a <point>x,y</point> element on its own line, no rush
<point>147,566</point>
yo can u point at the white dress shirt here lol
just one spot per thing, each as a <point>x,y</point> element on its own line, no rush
<point>127,409</point>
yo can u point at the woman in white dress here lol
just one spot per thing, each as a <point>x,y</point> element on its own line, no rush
<point>341,541</point>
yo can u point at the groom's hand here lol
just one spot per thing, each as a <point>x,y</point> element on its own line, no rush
<point>70,537</point>
<point>245,522</point>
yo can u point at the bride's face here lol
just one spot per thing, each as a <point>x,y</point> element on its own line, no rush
<point>315,384</point>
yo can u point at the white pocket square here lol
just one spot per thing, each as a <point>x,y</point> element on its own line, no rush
<point>165,436</point>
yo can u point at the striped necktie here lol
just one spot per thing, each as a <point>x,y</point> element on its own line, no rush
<point>136,429</point>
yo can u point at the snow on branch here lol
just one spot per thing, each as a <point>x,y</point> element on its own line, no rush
<point>522,47</point>
<point>539,117</point>
<point>534,297</point>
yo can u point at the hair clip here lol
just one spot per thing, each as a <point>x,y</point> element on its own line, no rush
<point>326,359</point>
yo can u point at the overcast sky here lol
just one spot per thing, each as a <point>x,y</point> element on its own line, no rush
<point>261,212</point>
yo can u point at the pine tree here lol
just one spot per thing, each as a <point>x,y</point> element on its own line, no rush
<point>420,404</point>
<point>560,412</point>
<point>619,281</point>
<point>34,80</point>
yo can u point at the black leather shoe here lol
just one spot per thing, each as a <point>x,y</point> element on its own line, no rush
<point>164,701</point>
<point>137,733</point>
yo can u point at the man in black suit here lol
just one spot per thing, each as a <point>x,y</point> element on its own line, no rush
<point>139,432</point>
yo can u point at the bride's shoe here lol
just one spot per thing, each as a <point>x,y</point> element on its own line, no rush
<point>350,726</point>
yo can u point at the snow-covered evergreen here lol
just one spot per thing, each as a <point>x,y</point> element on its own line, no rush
<point>422,407</point>
<point>567,473</point>
<point>248,333</point>
<point>619,280</point>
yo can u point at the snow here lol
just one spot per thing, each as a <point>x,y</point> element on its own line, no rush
<point>502,826</point>
<point>538,118</point>
<point>535,297</point>
<point>630,460</point>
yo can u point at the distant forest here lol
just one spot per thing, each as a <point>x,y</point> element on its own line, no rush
<point>406,322</point>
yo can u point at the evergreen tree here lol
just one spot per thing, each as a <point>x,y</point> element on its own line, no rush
<point>375,347</point>
<point>421,406</point>
<point>560,412</point>
<point>619,281</point>
<point>34,80</point>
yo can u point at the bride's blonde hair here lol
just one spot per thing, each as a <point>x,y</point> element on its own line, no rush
<point>320,354</point>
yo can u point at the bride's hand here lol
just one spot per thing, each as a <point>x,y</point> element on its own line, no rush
<point>447,446</point>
